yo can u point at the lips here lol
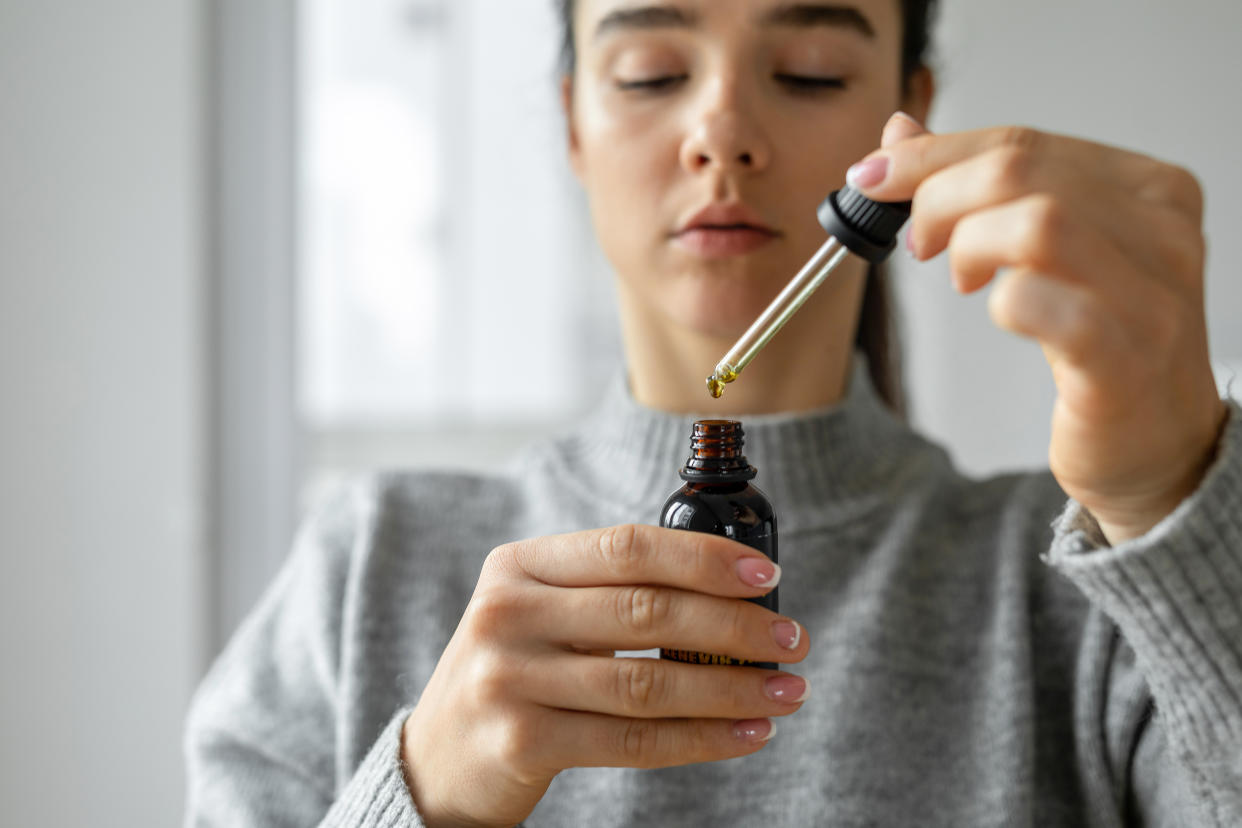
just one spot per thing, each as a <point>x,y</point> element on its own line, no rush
<point>721,229</point>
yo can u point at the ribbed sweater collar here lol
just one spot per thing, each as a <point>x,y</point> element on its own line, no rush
<point>818,468</point>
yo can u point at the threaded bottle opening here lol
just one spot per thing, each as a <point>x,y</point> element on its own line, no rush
<point>713,439</point>
<point>716,453</point>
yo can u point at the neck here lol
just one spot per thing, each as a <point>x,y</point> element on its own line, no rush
<point>806,366</point>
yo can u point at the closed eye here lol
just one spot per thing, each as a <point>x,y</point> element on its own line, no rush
<point>651,84</point>
<point>809,83</point>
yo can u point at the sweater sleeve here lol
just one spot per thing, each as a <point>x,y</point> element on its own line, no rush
<point>260,735</point>
<point>1175,594</point>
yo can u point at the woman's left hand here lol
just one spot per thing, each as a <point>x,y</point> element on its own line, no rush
<point>1104,255</point>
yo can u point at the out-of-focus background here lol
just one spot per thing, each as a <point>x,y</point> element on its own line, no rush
<point>247,246</point>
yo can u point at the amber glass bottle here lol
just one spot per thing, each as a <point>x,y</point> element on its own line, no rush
<point>719,498</point>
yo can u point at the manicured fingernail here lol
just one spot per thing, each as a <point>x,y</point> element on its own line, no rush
<point>906,116</point>
<point>758,572</point>
<point>868,172</point>
<point>787,634</point>
<point>753,730</point>
<point>788,689</point>
<point>910,245</point>
<point>899,128</point>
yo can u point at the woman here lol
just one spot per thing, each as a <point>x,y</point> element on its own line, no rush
<point>416,661</point>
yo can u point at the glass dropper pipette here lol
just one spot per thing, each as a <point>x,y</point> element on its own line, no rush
<point>856,225</point>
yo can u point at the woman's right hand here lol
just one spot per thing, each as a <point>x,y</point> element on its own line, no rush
<point>528,686</point>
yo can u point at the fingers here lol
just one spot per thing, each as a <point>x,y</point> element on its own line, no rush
<point>897,170</point>
<point>602,619</point>
<point>1102,351</point>
<point>637,554</point>
<point>1063,316</point>
<point>652,688</point>
<point>1087,303</point>
<point>641,617</point>
<point>571,739</point>
<point>1036,232</point>
<point>1004,175</point>
<point>990,179</point>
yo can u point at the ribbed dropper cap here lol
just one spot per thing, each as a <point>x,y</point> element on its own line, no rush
<point>868,228</point>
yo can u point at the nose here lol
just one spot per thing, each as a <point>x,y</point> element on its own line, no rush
<point>726,135</point>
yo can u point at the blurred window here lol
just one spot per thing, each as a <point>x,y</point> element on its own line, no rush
<point>450,299</point>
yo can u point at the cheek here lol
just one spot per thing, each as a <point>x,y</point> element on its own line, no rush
<point>618,149</point>
<point>628,166</point>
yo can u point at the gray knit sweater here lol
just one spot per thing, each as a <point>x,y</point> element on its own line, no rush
<point>973,664</point>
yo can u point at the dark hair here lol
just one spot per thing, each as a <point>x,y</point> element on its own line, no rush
<point>877,322</point>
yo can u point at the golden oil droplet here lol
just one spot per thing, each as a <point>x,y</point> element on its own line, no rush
<point>717,381</point>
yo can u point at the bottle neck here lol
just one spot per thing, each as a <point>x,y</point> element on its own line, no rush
<point>716,453</point>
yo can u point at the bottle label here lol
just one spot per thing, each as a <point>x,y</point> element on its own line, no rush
<point>692,657</point>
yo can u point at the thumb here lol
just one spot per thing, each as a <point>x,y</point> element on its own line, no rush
<point>900,127</point>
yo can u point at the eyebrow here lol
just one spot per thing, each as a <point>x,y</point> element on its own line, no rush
<point>799,15</point>
<point>805,15</point>
<point>645,17</point>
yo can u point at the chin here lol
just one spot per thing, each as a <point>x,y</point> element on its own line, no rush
<point>717,308</point>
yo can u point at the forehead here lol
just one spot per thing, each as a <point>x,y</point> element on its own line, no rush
<point>868,19</point>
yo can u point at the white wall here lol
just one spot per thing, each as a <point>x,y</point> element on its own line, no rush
<point>1150,75</point>
<point>102,414</point>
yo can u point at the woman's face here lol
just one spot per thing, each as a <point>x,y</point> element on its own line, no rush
<point>751,110</point>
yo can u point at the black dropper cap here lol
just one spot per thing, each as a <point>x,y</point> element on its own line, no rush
<point>868,228</point>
